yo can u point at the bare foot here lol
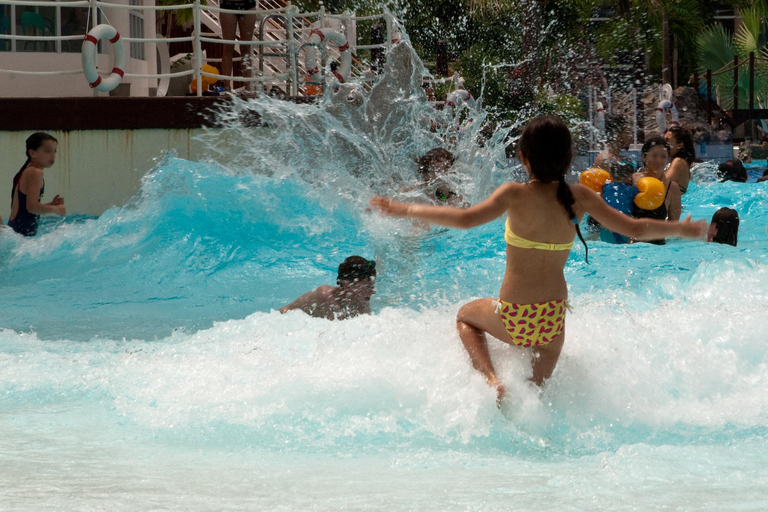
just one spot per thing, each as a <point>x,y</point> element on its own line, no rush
<point>500,391</point>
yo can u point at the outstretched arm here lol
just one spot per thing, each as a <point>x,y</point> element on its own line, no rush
<point>462,218</point>
<point>639,229</point>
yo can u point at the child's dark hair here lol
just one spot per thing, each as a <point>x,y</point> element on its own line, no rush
<point>687,152</point>
<point>652,142</point>
<point>732,170</point>
<point>355,268</point>
<point>547,146</point>
<point>727,222</point>
<point>34,142</point>
<point>435,159</point>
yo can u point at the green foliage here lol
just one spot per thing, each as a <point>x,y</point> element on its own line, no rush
<point>717,48</point>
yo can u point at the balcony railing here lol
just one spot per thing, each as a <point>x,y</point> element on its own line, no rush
<point>295,25</point>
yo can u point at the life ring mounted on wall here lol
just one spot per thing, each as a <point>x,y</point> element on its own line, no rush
<point>665,104</point>
<point>318,36</point>
<point>89,54</point>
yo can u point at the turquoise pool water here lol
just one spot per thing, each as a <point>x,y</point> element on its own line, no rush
<point>143,365</point>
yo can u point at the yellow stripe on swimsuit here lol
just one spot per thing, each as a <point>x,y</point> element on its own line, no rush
<point>517,241</point>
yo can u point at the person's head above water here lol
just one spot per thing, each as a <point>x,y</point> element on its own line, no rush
<point>724,228</point>
<point>435,162</point>
<point>41,147</point>
<point>355,268</point>
<point>655,154</point>
<point>680,142</point>
<point>732,170</point>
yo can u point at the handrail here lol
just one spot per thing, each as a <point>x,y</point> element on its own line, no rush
<point>288,47</point>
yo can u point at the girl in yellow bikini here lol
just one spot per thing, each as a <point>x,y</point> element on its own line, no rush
<point>542,221</point>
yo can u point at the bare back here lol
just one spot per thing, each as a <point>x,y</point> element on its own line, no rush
<point>536,275</point>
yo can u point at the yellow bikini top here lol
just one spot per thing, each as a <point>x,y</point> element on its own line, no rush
<point>517,241</point>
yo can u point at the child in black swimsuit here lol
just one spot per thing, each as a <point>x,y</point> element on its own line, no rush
<point>29,186</point>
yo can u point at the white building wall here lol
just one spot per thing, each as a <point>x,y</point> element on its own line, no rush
<point>95,169</point>
<point>28,86</point>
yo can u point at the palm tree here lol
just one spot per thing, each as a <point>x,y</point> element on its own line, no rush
<point>717,48</point>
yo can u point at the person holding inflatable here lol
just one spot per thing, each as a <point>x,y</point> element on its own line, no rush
<point>29,186</point>
<point>683,155</point>
<point>542,222</point>
<point>654,154</point>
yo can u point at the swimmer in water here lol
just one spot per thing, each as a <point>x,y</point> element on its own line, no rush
<point>654,154</point>
<point>732,170</point>
<point>29,186</point>
<point>542,221</point>
<point>434,166</point>
<point>683,155</point>
<point>352,296</point>
<point>724,227</point>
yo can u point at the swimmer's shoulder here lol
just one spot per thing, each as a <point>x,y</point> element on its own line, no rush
<point>32,172</point>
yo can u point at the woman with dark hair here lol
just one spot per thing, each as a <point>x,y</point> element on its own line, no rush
<point>724,228</point>
<point>29,186</point>
<point>683,155</point>
<point>654,154</point>
<point>542,221</point>
<point>732,170</point>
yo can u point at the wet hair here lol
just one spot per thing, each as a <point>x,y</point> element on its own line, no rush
<point>614,126</point>
<point>434,157</point>
<point>727,222</point>
<point>355,268</point>
<point>621,171</point>
<point>34,142</point>
<point>652,143</point>
<point>732,170</point>
<point>547,146</point>
<point>687,152</point>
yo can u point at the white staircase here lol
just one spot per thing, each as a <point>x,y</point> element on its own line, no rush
<point>275,32</point>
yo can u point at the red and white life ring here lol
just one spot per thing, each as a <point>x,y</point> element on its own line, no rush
<point>90,45</point>
<point>317,36</point>
<point>600,118</point>
<point>665,104</point>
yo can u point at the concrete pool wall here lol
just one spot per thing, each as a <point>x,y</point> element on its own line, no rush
<point>105,146</point>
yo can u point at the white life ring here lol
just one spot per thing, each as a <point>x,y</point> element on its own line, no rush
<point>317,36</point>
<point>600,119</point>
<point>90,43</point>
<point>661,111</point>
<point>665,104</point>
<point>458,97</point>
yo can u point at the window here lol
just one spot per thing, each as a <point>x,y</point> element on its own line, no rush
<point>136,19</point>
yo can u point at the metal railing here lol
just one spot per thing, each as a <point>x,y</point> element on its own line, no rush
<point>295,24</point>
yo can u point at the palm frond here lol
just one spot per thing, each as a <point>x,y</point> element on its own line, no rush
<point>748,33</point>
<point>715,47</point>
